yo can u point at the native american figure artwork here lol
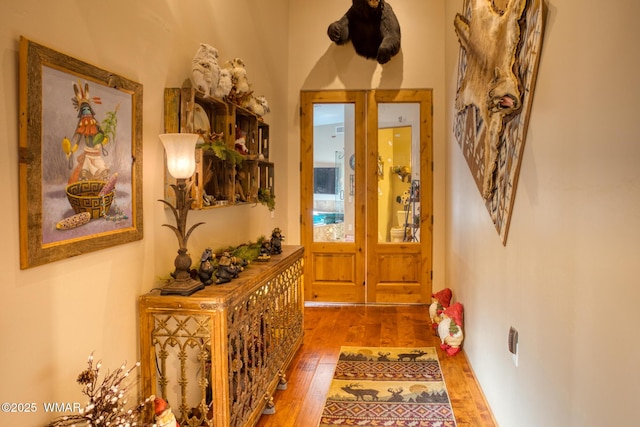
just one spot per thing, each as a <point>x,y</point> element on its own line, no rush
<point>500,43</point>
<point>87,152</point>
<point>95,136</point>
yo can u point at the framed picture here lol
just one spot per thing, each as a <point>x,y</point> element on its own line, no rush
<point>80,157</point>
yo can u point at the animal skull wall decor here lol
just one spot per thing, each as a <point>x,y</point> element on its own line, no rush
<point>500,42</point>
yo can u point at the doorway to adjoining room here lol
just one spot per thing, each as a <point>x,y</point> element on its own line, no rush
<point>366,195</point>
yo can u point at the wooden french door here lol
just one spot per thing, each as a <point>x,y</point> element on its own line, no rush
<point>366,195</point>
<point>333,201</point>
<point>399,144</point>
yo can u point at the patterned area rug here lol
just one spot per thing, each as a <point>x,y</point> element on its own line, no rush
<point>388,386</point>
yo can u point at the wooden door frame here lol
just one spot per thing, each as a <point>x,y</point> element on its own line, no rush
<point>355,250</point>
<point>425,247</point>
<point>366,128</point>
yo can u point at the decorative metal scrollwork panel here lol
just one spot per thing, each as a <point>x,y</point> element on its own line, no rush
<point>218,355</point>
<point>263,329</point>
<point>183,363</point>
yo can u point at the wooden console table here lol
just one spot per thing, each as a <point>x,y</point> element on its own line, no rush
<point>218,355</point>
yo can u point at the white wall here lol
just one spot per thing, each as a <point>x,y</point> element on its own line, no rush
<point>568,277</point>
<point>54,315</point>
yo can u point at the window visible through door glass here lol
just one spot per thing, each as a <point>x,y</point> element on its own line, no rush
<point>333,172</point>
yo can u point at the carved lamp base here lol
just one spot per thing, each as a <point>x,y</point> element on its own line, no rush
<point>184,287</point>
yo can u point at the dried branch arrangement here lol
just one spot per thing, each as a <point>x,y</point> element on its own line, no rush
<point>107,405</point>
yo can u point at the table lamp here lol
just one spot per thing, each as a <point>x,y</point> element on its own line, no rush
<point>180,154</point>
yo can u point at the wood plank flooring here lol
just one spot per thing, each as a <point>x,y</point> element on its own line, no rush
<point>329,327</point>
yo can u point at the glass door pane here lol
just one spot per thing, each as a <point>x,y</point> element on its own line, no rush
<point>398,172</point>
<point>333,172</point>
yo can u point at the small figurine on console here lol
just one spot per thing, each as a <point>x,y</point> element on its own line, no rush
<point>439,301</point>
<point>276,241</point>
<point>450,329</point>
<point>239,263</point>
<point>205,272</point>
<point>226,270</point>
<point>265,251</point>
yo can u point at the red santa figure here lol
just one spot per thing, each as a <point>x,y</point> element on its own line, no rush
<point>439,301</point>
<point>164,416</point>
<point>450,329</point>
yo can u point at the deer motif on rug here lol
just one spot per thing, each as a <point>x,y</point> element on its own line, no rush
<point>410,357</point>
<point>360,393</point>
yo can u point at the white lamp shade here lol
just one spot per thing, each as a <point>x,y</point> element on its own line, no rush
<point>180,150</point>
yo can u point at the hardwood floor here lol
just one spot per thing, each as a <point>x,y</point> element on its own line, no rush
<point>329,327</point>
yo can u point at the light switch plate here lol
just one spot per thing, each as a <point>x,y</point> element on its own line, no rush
<point>513,340</point>
<point>513,345</point>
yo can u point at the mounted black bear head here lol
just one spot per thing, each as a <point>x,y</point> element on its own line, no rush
<point>372,28</point>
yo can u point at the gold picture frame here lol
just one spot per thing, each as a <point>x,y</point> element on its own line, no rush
<point>80,157</point>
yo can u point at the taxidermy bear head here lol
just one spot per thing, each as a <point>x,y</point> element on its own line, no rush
<point>372,28</point>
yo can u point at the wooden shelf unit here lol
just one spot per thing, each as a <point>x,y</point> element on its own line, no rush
<point>215,177</point>
<point>225,349</point>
